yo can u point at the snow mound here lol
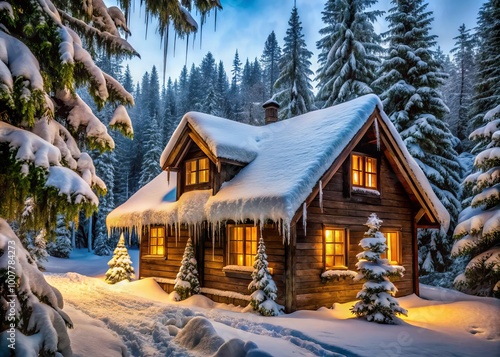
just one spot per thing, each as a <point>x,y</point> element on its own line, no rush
<point>200,336</point>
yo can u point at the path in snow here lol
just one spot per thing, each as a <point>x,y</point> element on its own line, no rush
<point>148,328</point>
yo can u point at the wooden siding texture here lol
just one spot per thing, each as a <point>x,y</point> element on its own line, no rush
<point>394,208</point>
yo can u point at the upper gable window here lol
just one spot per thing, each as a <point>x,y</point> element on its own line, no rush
<point>364,171</point>
<point>197,171</point>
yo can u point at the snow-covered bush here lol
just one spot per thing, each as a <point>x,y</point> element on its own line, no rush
<point>29,304</point>
<point>186,282</point>
<point>61,247</point>
<point>377,302</point>
<point>263,289</point>
<point>478,229</point>
<point>120,266</point>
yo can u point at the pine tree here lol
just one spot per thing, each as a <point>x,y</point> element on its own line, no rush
<point>263,289</point>
<point>120,266</point>
<point>409,79</point>
<point>294,89</point>
<point>486,89</point>
<point>123,152</point>
<point>152,152</point>
<point>478,230</point>
<point>377,302</point>
<point>464,59</point>
<point>270,62</point>
<point>348,59</point>
<point>234,91</point>
<point>195,93</point>
<point>61,247</point>
<point>186,282</point>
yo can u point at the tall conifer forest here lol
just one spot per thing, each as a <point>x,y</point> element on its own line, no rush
<point>437,101</point>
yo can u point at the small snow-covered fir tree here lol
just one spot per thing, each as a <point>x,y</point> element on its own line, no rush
<point>377,296</point>
<point>478,230</point>
<point>61,247</point>
<point>120,266</point>
<point>186,282</point>
<point>262,286</point>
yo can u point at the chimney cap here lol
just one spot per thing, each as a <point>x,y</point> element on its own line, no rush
<point>270,103</point>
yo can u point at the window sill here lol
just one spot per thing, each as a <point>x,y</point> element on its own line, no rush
<point>238,271</point>
<point>154,257</point>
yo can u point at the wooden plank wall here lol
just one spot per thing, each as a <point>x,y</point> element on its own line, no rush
<point>351,212</point>
<point>213,275</point>
<point>163,267</point>
<point>215,260</point>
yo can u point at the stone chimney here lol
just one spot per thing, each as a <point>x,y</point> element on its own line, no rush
<point>271,111</point>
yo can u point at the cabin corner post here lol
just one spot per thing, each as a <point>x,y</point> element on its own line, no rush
<point>290,271</point>
<point>416,287</point>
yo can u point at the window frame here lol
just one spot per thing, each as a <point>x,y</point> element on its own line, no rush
<point>246,255</point>
<point>149,253</point>
<point>399,249</point>
<point>197,171</point>
<point>346,248</point>
<point>363,171</point>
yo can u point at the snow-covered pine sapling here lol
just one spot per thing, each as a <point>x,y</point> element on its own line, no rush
<point>377,302</point>
<point>262,286</point>
<point>120,266</point>
<point>187,283</point>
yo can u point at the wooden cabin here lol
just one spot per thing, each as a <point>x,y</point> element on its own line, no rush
<point>306,185</point>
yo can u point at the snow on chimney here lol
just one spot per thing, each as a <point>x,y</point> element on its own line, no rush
<point>271,111</point>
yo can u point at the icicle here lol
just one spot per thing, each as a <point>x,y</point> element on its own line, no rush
<point>321,195</point>
<point>165,52</point>
<point>377,134</point>
<point>215,20</point>
<point>187,48</point>
<point>304,218</point>
<point>175,41</point>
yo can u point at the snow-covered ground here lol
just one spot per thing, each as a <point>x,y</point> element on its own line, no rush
<point>140,319</point>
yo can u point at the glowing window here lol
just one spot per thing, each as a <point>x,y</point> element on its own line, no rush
<point>157,241</point>
<point>242,245</point>
<point>335,248</point>
<point>364,171</point>
<point>197,171</point>
<point>393,253</point>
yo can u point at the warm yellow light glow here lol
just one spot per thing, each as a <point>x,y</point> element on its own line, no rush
<point>364,171</point>
<point>334,247</point>
<point>157,241</point>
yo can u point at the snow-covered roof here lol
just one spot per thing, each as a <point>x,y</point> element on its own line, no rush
<point>285,160</point>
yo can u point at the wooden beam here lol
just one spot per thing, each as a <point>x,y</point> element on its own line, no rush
<point>290,271</point>
<point>177,149</point>
<point>416,287</point>
<point>405,170</point>
<point>198,140</point>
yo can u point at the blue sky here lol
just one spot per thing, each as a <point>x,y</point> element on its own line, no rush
<point>246,24</point>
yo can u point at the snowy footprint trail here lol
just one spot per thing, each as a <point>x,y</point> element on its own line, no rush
<point>153,328</point>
